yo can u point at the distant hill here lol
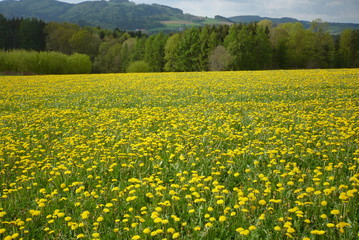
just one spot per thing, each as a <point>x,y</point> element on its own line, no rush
<point>127,15</point>
<point>107,14</point>
<point>112,14</point>
<point>334,28</point>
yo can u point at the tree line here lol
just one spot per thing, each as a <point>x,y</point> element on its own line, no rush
<point>31,62</point>
<point>253,46</point>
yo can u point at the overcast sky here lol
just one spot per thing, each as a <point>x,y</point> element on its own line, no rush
<point>327,10</point>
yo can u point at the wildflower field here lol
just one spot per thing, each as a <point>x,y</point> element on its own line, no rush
<point>220,155</point>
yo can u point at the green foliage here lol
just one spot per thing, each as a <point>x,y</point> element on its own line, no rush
<point>354,42</point>
<point>321,45</point>
<point>2,61</point>
<point>84,42</point>
<point>31,34</point>
<point>138,66</point>
<point>80,63</point>
<point>344,47</point>
<point>219,59</point>
<point>249,47</point>
<point>22,33</point>
<point>262,48</point>
<point>3,31</point>
<point>19,61</point>
<point>333,28</point>
<point>296,47</point>
<point>242,47</point>
<point>297,44</point>
<point>138,50</point>
<point>205,48</point>
<point>155,51</point>
<point>349,48</point>
<point>172,52</point>
<point>189,51</point>
<point>31,62</point>
<point>279,40</point>
<point>109,58</point>
<point>59,35</point>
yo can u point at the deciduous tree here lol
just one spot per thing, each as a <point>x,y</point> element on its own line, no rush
<point>219,59</point>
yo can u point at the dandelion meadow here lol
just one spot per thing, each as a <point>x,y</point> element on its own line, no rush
<point>220,155</point>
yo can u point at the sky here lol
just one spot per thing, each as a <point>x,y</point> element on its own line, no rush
<point>344,11</point>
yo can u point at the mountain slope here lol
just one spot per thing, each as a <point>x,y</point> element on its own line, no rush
<point>127,15</point>
<point>48,10</point>
<point>108,14</point>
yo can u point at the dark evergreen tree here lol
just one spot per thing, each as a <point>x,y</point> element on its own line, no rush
<point>155,52</point>
<point>262,50</point>
<point>3,32</point>
<point>138,50</point>
<point>12,38</point>
<point>31,34</point>
<point>189,51</point>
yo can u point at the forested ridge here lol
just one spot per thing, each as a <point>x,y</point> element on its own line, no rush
<point>252,46</point>
<point>127,15</point>
<point>111,14</point>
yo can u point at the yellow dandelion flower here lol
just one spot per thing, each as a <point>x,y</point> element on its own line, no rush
<point>330,225</point>
<point>244,232</point>
<point>35,212</point>
<point>309,189</point>
<point>85,214</point>
<point>222,218</point>
<point>277,228</point>
<point>335,212</point>
<point>95,235</point>
<point>208,225</point>
<point>262,202</point>
<point>175,235</point>
<point>133,225</point>
<point>146,230</point>
<point>80,236</point>
<point>171,230</point>
<point>252,228</point>
<point>317,232</point>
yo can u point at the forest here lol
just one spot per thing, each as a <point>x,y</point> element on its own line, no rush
<point>253,46</point>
